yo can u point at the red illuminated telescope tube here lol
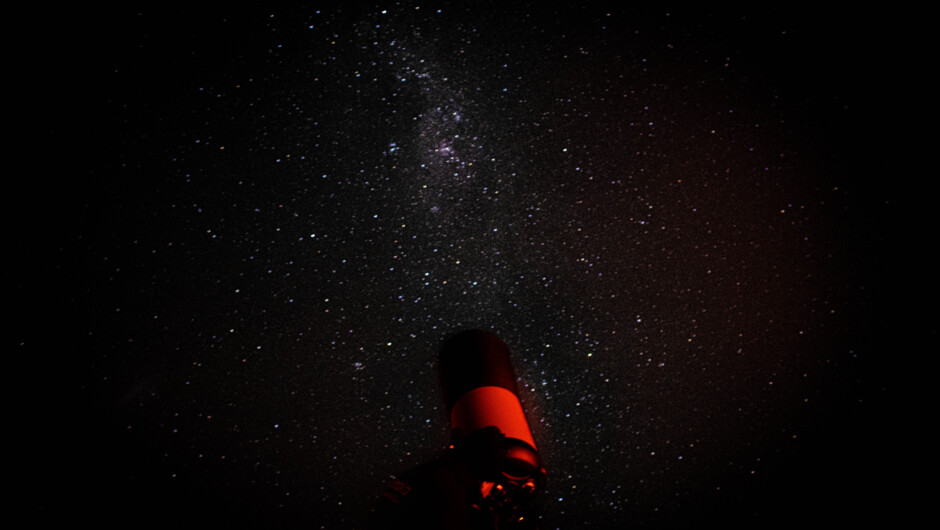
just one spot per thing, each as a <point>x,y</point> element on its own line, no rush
<point>480,391</point>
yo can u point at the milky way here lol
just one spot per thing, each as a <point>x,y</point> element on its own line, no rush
<point>282,213</point>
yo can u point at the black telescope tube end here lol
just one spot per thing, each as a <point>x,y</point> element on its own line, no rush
<point>471,359</point>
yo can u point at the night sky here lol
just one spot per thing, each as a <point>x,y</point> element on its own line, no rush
<point>243,234</point>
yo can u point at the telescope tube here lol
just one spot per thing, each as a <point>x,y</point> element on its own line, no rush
<point>480,391</point>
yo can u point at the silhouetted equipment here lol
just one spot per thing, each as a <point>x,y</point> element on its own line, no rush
<point>492,469</point>
<point>480,391</point>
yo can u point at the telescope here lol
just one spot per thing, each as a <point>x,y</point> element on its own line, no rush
<point>491,470</point>
<point>480,392</point>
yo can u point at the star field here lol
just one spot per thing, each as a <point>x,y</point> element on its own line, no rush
<point>273,217</point>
